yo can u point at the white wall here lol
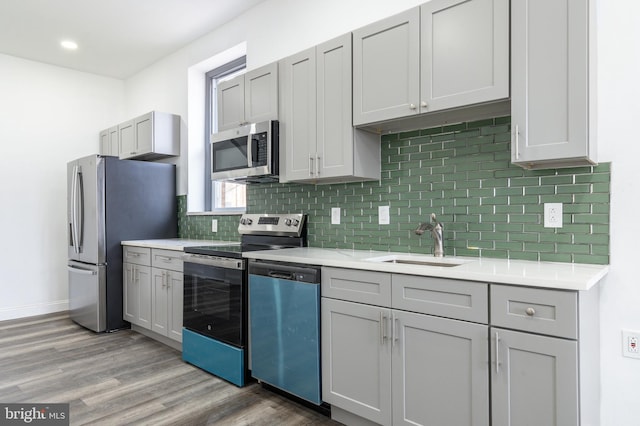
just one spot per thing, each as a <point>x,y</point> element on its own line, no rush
<point>618,142</point>
<point>48,116</point>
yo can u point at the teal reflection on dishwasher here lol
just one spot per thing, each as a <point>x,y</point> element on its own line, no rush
<point>285,335</point>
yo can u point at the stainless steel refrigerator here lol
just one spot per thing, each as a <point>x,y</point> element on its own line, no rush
<point>110,200</point>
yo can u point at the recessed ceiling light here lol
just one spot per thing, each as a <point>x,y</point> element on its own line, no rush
<point>69,44</point>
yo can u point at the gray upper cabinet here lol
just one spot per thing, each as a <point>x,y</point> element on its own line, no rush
<point>230,103</point>
<point>534,380</point>
<point>248,98</point>
<point>150,136</point>
<point>465,53</point>
<point>298,115</point>
<point>552,87</point>
<point>319,143</point>
<point>109,143</point>
<point>441,55</point>
<point>386,68</point>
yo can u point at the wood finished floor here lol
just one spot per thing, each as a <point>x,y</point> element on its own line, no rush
<point>127,378</point>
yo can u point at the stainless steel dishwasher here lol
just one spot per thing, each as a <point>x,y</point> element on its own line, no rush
<point>284,309</point>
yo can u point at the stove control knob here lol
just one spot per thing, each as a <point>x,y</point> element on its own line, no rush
<point>295,222</point>
<point>287,222</point>
<point>246,221</point>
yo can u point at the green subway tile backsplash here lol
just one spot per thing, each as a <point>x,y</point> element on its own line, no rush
<point>460,172</point>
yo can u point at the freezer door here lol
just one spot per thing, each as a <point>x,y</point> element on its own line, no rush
<point>87,295</point>
<point>85,210</point>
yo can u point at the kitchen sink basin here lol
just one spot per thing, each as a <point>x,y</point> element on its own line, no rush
<point>417,260</point>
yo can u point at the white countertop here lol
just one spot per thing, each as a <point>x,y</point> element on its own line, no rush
<point>565,276</point>
<point>177,244</point>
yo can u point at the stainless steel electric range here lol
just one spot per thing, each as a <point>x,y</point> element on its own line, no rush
<point>215,293</point>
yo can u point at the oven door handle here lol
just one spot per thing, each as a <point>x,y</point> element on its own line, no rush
<point>220,262</point>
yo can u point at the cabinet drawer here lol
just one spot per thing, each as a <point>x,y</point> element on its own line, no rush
<point>373,288</point>
<point>443,297</point>
<point>167,259</point>
<point>137,255</point>
<point>551,312</point>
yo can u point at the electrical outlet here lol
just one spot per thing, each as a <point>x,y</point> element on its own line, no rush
<point>335,215</point>
<point>214,225</point>
<point>630,342</point>
<point>553,215</point>
<point>383,215</point>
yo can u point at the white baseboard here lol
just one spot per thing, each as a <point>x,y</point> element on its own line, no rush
<point>15,312</point>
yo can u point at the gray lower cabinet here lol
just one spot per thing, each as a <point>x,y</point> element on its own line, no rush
<point>356,359</point>
<point>153,290</point>
<point>248,98</point>
<point>534,379</point>
<point>318,141</point>
<point>388,365</point>
<point>137,286</point>
<point>441,55</point>
<point>552,85</point>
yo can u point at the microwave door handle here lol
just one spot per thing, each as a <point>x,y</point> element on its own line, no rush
<point>249,150</point>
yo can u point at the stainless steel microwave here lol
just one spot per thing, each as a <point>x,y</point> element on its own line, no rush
<point>246,154</point>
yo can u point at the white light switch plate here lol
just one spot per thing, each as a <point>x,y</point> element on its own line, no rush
<point>631,343</point>
<point>335,215</point>
<point>383,215</point>
<point>553,215</point>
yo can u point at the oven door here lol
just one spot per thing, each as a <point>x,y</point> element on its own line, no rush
<point>215,298</point>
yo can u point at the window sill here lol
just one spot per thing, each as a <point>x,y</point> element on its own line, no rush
<point>219,213</point>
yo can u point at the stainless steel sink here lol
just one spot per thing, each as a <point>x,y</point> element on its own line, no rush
<point>416,259</point>
<point>420,262</point>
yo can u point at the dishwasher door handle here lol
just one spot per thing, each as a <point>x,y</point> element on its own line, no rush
<point>281,275</point>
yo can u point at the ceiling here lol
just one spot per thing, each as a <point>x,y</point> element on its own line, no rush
<point>116,38</point>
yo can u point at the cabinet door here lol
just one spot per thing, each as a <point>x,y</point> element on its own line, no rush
<point>127,139</point>
<point>534,380</point>
<point>159,302</point>
<point>334,124</point>
<point>298,114</point>
<point>144,133</point>
<point>131,294</point>
<point>104,142</point>
<point>465,53</point>
<point>261,94</point>
<point>142,276</point>
<point>549,85</point>
<point>230,103</point>
<point>440,371</point>
<point>176,285</point>
<point>386,68</point>
<point>356,359</point>
<point>114,143</point>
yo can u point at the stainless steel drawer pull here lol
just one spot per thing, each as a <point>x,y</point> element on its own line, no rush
<point>530,311</point>
<point>497,353</point>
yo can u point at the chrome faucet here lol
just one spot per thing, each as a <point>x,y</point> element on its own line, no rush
<point>436,230</point>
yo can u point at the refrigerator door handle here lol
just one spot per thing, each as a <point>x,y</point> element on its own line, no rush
<point>78,210</point>
<point>81,271</point>
<point>74,210</point>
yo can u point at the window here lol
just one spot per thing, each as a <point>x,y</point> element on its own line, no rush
<point>220,197</point>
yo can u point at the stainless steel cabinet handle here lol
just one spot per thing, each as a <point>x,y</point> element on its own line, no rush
<point>382,336</point>
<point>317,165</point>
<point>310,166</point>
<point>497,353</point>
<point>396,332</point>
<point>168,280</point>
<point>412,106</point>
<point>164,258</point>
<point>530,311</point>
<point>164,279</point>
<point>423,104</point>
